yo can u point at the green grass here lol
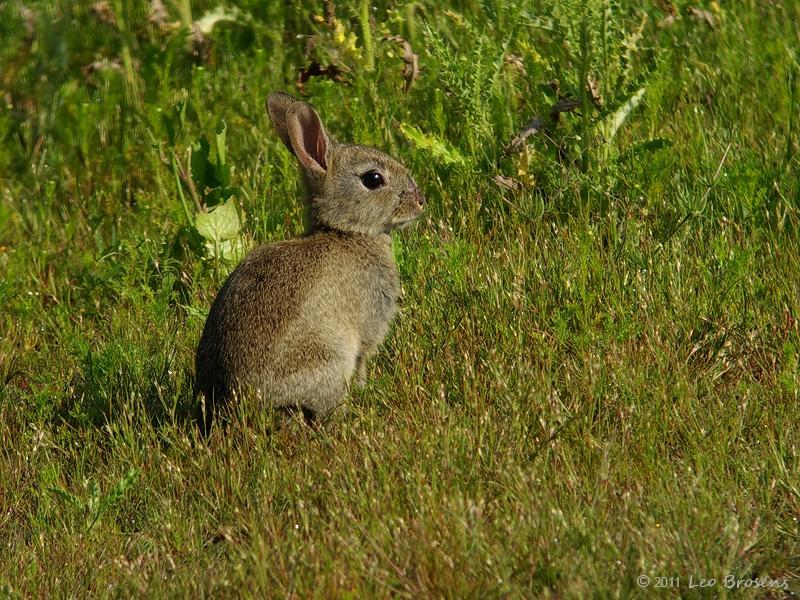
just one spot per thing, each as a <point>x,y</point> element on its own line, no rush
<point>594,375</point>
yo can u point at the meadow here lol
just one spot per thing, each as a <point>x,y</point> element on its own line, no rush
<point>590,390</point>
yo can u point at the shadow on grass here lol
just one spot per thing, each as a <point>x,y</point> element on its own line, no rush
<point>120,379</point>
<point>121,382</point>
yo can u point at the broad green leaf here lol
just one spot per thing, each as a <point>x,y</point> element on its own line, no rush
<point>219,224</point>
<point>227,250</point>
<point>609,127</point>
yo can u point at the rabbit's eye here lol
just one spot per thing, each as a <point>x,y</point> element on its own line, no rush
<point>372,180</point>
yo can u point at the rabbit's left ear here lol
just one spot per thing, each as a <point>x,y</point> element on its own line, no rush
<point>301,130</point>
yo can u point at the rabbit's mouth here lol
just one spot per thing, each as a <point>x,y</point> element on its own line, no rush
<point>412,206</point>
<point>408,208</point>
<point>405,221</point>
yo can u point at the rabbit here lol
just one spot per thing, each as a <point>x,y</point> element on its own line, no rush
<point>297,319</point>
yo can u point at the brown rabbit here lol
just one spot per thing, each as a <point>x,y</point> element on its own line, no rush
<point>297,318</point>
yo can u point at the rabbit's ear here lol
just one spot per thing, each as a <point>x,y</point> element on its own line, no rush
<point>308,137</point>
<point>278,104</point>
<point>301,130</point>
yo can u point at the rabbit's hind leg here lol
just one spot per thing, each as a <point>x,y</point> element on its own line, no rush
<point>319,388</point>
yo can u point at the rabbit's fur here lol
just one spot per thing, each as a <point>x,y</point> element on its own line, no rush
<point>297,318</point>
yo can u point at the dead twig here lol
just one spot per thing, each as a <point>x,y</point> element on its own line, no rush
<point>537,124</point>
<point>410,61</point>
<point>316,70</point>
<point>183,173</point>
